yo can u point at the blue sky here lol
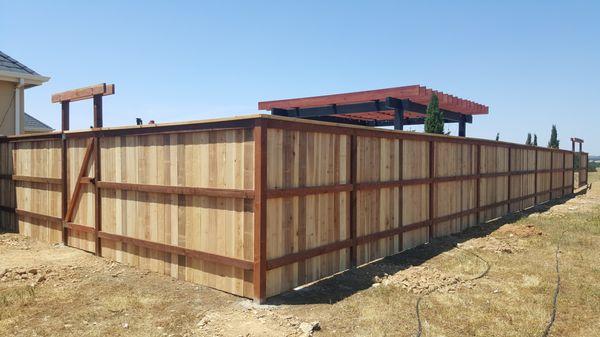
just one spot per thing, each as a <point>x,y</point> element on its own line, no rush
<point>533,63</point>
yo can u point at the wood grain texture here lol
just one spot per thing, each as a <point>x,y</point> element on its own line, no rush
<point>215,225</point>
<point>295,159</point>
<point>162,206</point>
<point>41,159</point>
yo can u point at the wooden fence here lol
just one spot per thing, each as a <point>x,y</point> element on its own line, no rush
<point>258,205</point>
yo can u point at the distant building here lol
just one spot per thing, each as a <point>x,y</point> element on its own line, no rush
<point>34,125</point>
<point>14,79</point>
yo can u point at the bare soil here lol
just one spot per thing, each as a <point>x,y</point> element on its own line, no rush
<point>52,290</point>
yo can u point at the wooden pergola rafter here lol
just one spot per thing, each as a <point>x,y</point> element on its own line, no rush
<point>384,107</point>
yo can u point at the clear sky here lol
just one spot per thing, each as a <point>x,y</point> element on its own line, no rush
<point>534,63</point>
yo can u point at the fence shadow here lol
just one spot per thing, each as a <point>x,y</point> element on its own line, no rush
<point>349,282</point>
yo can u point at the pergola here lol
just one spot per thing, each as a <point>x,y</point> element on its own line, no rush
<point>384,107</point>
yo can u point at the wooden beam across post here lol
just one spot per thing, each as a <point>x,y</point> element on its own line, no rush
<point>79,94</point>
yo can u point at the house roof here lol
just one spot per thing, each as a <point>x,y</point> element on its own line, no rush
<point>33,124</point>
<point>14,71</point>
<point>10,64</point>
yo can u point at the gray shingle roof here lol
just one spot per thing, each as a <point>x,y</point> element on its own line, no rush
<point>33,124</point>
<point>7,63</point>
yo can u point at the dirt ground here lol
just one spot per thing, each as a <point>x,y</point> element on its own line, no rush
<point>493,280</point>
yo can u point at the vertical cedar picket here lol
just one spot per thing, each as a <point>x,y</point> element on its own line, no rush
<point>259,278</point>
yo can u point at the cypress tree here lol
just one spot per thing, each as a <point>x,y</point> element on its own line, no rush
<point>528,141</point>
<point>534,139</point>
<point>554,142</point>
<point>434,122</point>
<point>498,136</point>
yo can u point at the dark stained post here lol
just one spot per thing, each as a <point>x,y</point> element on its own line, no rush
<point>462,127</point>
<point>98,193</point>
<point>564,155</point>
<point>97,199</point>
<point>97,111</point>
<point>551,172</point>
<point>400,196</point>
<point>535,179</point>
<point>259,278</point>
<point>65,115</point>
<point>353,206</point>
<point>508,198</point>
<point>399,119</point>
<point>63,169</point>
<point>573,166</point>
<point>431,186</point>
<point>478,181</point>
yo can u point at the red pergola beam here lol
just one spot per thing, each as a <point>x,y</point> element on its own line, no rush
<point>415,93</point>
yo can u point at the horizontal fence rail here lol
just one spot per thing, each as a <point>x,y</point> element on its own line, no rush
<point>257,206</point>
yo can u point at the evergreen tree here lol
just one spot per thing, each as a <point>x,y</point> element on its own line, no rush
<point>498,136</point>
<point>528,141</point>
<point>553,143</point>
<point>534,139</point>
<point>434,122</point>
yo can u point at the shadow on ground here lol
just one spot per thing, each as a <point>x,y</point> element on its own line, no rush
<point>345,284</point>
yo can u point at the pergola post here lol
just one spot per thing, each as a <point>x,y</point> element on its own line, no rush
<point>399,119</point>
<point>65,115</point>
<point>462,127</point>
<point>98,111</point>
<point>65,98</point>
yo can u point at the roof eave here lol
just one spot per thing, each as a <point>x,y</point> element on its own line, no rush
<point>30,80</point>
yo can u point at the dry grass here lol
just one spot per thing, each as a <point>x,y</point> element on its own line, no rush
<point>513,299</point>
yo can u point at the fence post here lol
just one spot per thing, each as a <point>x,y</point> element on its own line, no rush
<point>353,208</point>
<point>63,169</point>
<point>431,187</point>
<point>573,166</point>
<point>551,173</point>
<point>535,179</point>
<point>259,274</point>
<point>508,198</point>
<point>400,194</point>
<point>563,174</point>
<point>478,181</point>
<point>97,199</point>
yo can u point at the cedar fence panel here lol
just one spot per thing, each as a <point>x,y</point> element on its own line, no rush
<point>259,205</point>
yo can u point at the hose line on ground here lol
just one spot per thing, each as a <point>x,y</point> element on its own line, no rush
<point>417,305</point>
<point>556,290</point>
